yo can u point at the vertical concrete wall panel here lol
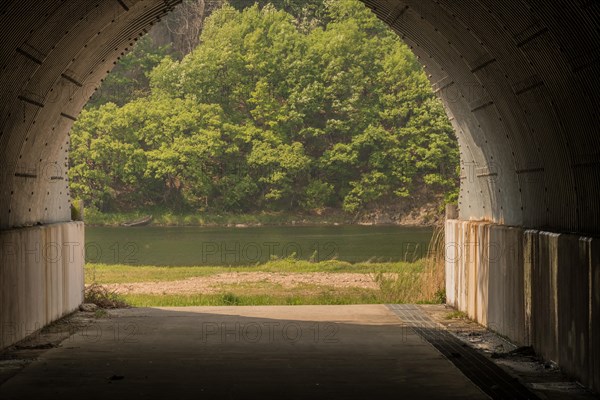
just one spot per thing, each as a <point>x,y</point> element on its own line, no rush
<point>464,266</point>
<point>544,320</point>
<point>529,260</point>
<point>536,288</point>
<point>451,255</point>
<point>41,277</point>
<point>472,267</point>
<point>9,259</point>
<point>594,312</point>
<point>573,304</point>
<point>506,307</point>
<point>483,272</point>
<point>514,287</point>
<point>497,275</point>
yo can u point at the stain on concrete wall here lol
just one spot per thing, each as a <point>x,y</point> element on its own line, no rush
<point>536,288</point>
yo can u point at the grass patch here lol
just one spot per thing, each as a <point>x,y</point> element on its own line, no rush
<point>119,273</point>
<point>336,295</point>
<point>100,313</point>
<point>102,297</point>
<point>402,287</point>
<point>456,315</point>
<point>231,299</point>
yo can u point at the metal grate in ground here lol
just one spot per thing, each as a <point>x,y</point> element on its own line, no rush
<point>484,373</point>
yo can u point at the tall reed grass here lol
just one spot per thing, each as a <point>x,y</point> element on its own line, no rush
<point>425,283</point>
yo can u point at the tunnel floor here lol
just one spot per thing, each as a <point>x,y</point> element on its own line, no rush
<point>292,352</point>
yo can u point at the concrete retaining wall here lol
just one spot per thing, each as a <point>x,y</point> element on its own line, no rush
<point>536,288</point>
<point>41,277</point>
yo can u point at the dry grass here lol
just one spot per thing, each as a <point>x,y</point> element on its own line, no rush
<point>426,285</point>
<point>434,276</point>
<point>102,297</point>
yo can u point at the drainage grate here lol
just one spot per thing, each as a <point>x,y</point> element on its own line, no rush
<point>489,377</point>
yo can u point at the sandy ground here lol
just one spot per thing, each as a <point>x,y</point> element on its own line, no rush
<point>213,284</point>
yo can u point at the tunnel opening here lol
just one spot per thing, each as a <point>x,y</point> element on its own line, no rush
<point>518,80</point>
<point>144,124</point>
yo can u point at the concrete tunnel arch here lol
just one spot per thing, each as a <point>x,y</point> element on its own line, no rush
<point>518,78</point>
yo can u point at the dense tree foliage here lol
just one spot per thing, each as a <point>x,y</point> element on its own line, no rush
<point>268,112</point>
<point>129,80</point>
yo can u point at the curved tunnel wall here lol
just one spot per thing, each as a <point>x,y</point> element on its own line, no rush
<point>519,79</point>
<point>54,55</point>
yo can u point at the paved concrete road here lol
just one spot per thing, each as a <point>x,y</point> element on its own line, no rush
<point>284,352</point>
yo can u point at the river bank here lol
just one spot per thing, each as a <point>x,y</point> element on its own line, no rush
<point>168,218</point>
<point>426,215</point>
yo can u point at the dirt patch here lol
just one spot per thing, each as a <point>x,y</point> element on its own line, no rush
<point>212,284</point>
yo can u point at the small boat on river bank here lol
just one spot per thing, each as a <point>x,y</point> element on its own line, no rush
<point>140,222</point>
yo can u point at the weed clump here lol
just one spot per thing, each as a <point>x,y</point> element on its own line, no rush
<point>102,297</point>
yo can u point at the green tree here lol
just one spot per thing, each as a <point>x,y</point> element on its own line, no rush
<point>268,113</point>
<point>128,80</point>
